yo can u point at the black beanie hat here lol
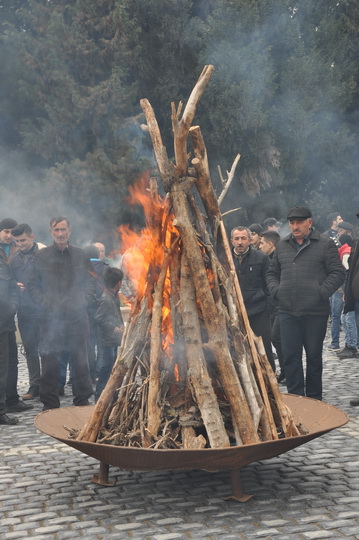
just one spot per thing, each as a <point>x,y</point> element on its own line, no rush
<point>7,223</point>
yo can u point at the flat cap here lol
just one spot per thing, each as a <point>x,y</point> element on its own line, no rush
<point>256,227</point>
<point>299,212</point>
<point>7,223</point>
<point>345,226</point>
<point>269,222</point>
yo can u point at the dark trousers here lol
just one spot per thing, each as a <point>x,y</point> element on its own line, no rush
<point>29,327</point>
<point>297,332</point>
<point>55,338</point>
<point>12,397</point>
<point>4,360</point>
<point>104,368</point>
<point>260,324</point>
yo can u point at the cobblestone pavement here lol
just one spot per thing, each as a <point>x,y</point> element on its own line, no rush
<point>308,493</point>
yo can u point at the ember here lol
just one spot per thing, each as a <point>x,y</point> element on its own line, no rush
<point>190,373</point>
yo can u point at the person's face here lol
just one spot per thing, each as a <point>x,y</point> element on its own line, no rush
<point>275,228</point>
<point>266,247</point>
<point>300,227</point>
<point>101,249</point>
<point>6,236</point>
<point>342,231</point>
<point>61,232</point>
<point>255,238</point>
<point>240,241</point>
<point>338,220</point>
<point>25,241</point>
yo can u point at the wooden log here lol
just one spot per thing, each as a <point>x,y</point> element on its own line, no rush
<point>135,335</point>
<point>154,407</point>
<point>181,127</point>
<point>216,326</point>
<point>201,383</point>
<point>210,202</point>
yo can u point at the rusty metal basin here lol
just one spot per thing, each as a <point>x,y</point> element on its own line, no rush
<point>317,417</point>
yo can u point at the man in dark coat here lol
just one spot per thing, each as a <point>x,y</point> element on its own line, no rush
<point>251,266</point>
<point>61,283</point>
<point>28,315</point>
<point>304,272</point>
<point>9,301</point>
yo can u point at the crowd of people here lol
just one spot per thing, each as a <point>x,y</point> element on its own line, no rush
<point>66,303</point>
<point>295,287</point>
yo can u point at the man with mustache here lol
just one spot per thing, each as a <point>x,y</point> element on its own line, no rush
<point>304,272</point>
<point>251,266</point>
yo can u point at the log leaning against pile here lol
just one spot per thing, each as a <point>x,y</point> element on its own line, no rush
<point>213,385</point>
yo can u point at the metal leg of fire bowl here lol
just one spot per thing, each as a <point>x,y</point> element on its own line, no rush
<point>238,494</point>
<point>102,476</point>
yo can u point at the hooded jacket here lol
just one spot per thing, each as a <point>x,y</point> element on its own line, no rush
<point>108,317</point>
<point>302,281</point>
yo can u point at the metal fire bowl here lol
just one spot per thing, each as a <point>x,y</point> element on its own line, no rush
<point>316,416</point>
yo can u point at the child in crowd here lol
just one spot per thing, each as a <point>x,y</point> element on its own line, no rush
<point>109,325</point>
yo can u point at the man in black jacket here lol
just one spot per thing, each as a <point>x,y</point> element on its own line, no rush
<point>28,315</point>
<point>304,272</point>
<point>62,285</point>
<point>251,266</point>
<point>9,301</point>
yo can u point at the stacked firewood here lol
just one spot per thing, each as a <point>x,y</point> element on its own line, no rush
<point>190,373</point>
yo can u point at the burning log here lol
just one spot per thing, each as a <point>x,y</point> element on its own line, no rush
<point>190,373</point>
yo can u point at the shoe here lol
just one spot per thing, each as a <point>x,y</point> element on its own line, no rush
<point>49,408</point>
<point>31,394</point>
<point>354,402</point>
<point>6,420</point>
<point>347,352</point>
<point>333,347</point>
<point>61,391</point>
<point>19,407</point>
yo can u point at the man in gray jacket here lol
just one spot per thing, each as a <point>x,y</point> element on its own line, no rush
<point>304,272</point>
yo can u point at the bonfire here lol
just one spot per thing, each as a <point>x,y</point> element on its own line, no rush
<point>190,373</point>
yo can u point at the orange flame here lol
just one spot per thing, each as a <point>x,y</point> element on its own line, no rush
<point>146,248</point>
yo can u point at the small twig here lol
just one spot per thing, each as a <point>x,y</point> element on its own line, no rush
<point>230,177</point>
<point>230,211</point>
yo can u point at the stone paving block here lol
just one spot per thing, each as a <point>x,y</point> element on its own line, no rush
<point>169,536</point>
<point>128,526</point>
<point>314,535</point>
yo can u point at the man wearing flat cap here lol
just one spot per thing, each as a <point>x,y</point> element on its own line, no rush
<point>304,272</point>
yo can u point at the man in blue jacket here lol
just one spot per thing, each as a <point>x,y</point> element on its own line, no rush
<point>304,272</point>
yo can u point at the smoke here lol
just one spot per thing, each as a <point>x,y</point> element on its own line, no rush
<point>279,75</point>
<point>27,198</point>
